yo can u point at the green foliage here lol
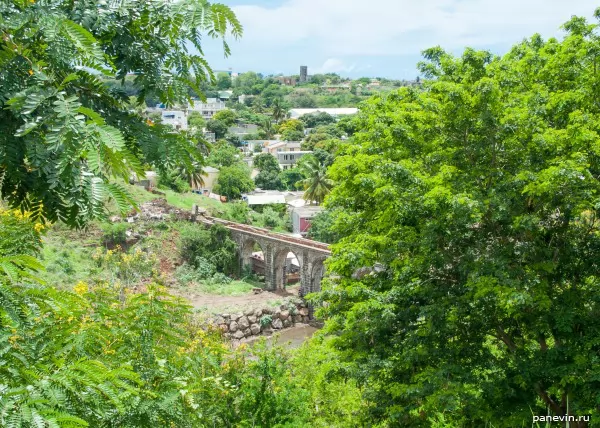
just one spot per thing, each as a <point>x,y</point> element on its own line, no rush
<point>65,134</point>
<point>316,183</point>
<point>265,321</point>
<point>233,181</point>
<point>266,162</point>
<point>172,180</point>
<point>223,154</point>
<point>195,120</point>
<point>315,119</point>
<point>214,245</point>
<point>289,178</point>
<point>268,177</point>
<point>114,233</point>
<point>227,117</point>
<point>218,127</point>
<point>466,273</point>
<point>322,226</point>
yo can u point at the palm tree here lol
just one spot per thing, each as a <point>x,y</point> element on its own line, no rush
<point>316,184</point>
<point>278,111</point>
<point>267,128</point>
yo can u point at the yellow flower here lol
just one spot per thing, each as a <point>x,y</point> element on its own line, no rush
<point>81,288</point>
<point>39,227</point>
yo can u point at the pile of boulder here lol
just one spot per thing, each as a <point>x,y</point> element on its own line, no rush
<point>262,321</point>
<point>155,210</point>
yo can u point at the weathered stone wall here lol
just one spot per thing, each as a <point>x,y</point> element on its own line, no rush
<point>262,321</point>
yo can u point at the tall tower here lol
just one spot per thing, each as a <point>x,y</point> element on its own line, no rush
<point>303,73</point>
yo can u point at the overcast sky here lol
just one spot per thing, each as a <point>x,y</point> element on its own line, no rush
<point>380,37</point>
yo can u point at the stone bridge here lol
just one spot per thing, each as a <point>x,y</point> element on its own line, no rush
<point>275,248</point>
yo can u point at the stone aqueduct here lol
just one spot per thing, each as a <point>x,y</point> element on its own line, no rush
<point>275,247</point>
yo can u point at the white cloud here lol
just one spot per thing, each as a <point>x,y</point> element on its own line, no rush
<point>338,28</point>
<point>333,65</point>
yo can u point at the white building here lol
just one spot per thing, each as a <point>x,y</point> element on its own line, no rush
<point>176,118</point>
<point>209,108</point>
<point>287,160</point>
<point>296,113</point>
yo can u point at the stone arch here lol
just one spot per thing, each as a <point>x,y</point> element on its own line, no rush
<point>246,248</point>
<point>316,275</point>
<point>279,266</point>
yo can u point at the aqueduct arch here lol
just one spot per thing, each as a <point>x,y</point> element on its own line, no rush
<point>275,247</point>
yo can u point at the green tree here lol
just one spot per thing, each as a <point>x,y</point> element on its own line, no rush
<point>278,110</point>
<point>266,162</point>
<point>467,270</point>
<point>227,116</point>
<point>223,154</point>
<point>268,177</point>
<point>65,134</point>
<point>233,181</point>
<point>218,127</point>
<point>196,121</point>
<point>266,128</point>
<point>290,178</point>
<point>223,81</point>
<point>313,120</point>
<point>316,184</point>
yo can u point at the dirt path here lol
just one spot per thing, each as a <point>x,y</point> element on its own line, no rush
<point>215,304</point>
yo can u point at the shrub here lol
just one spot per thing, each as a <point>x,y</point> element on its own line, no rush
<point>114,233</point>
<point>213,244</point>
<point>220,278</point>
<point>265,320</point>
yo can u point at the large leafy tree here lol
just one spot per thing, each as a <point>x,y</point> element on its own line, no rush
<point>233,181</point>
<point>467,272</point>
<point>64,134</point>
<point>268,177</point>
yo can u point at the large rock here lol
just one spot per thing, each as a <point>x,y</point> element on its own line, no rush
<point>249,312</point>
<point>305,319</point>
<point>258,313</point>
<point>284,315</point>
<point>238,334</point>
<point>226,317</point>
<point>252,319</point>
<point>255,329</point>
<point>243,323</point>
<point>224,328</point>
<point>303,312</point>
<point>233,327</point>
<point>220,320</point>
<point>247,332</point>
<point>287,323</point>
<point>267,311</point>
<point>297,318</point>
<point>236,317</point>
<point>267,331</point>
<point>277,324</point>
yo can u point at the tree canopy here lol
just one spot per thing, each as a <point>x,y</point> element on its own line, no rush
<point>65,134</point>
<point>467,270</point>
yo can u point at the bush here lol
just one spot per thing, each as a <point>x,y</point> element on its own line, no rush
<point>220,278</point>
<point>213,245</point>
<point>114,233</point>
<point>265,320</point>
<point>173,181</point>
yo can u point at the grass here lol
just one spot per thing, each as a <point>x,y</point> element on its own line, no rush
<point>67,255</point>
<point>234,288</point>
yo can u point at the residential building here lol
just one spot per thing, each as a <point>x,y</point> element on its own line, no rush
<point>176,118</point>
<point>287,160</point>
<point>243,129</point>
<point>282,146</point>
<point>209,136</point>
<point>301,218</point>
<point>209,108</point>
<point>297,113</point>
